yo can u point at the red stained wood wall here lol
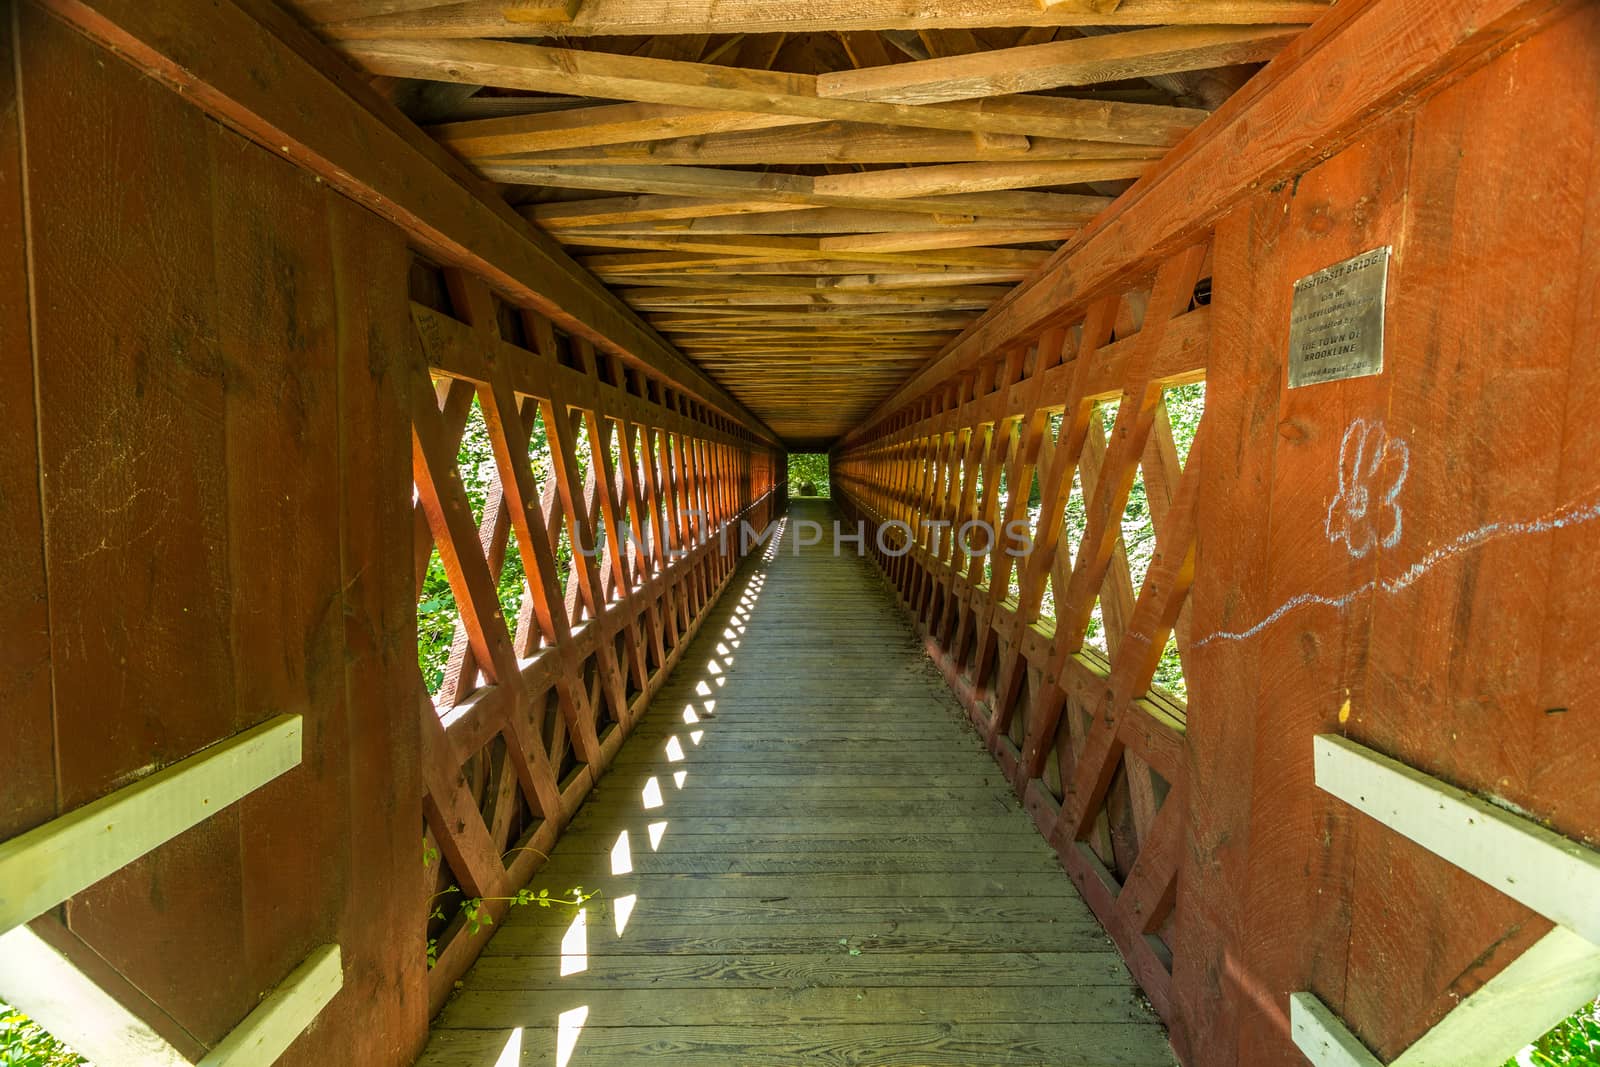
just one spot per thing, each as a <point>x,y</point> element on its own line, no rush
<point>1465,648</point>
<point>206,484</point>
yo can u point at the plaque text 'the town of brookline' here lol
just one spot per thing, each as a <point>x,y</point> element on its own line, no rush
<point>1336,321</point>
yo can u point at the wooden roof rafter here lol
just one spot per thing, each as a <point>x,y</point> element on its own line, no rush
<point>798,159</point>
<point>599,18</point>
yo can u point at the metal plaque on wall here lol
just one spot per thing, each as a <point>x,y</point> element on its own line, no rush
<point>1336,323</point>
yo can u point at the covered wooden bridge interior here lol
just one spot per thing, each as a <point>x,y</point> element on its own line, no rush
<point>415,651</point>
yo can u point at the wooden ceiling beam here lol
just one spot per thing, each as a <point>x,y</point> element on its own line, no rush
<point>820,275</point>
<point>495,18</point>
<point>859,282</point>
<point>584,125</point>
<point>837,351</point>
<point>850,372</point>
<point>773,359</point>
<point>1080,61</point>
<point>745,187</point>
<point>812,381</point>
<point>738,316</point>
<point>834,221</point>
<point>1197,88</point>
<point>706,357</point>
<point>830,142</point>
<point>923,240</point>
<point>825,347</point>
<point>627,210</point>
<point>711,214</point>
<point>731,248</point>
<point>825,278</point>
<point>661,81</point>
<point>663,298</point>
<point>776,336</point>
<point>817,343</point>
<point>966,178</point>
<point>944,323</point>
<point>771,363</point>
<point>581,127</point>
<point>701,341</point>
<point>662,262</point>
<point>802,324</point>
<point>829,283</point>
<point>315,11</point>
<point>903,360</point>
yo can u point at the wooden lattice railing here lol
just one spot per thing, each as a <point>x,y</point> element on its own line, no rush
<point>622,497</point>
<point>1017,444</point>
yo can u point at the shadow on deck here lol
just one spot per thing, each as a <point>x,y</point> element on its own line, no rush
<point>805,856</point>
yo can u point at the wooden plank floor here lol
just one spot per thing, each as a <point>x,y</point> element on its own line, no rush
<point>829,871</point>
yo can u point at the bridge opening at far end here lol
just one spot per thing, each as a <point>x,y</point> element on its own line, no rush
<point>808,474</point>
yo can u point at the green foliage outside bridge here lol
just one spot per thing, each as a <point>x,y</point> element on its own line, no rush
<point>809,469</point>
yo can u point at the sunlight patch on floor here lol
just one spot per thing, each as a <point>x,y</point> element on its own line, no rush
<point>621,855</point>
<point>622,909</point>
<point>568,1026</point>
<point>511,1054</point>
<point>696,713</point>
<point>575,945</point>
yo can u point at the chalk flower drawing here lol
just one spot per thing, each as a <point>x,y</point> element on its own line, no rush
<point>1372,470</point>
<point>1373,466</point>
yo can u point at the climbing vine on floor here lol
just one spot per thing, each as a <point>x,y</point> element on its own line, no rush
<point>474,911</point>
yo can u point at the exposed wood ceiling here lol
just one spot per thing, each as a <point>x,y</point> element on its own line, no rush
<point>810,198</point>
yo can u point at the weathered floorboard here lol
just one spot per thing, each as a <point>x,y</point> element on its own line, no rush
<point>794,866</point>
